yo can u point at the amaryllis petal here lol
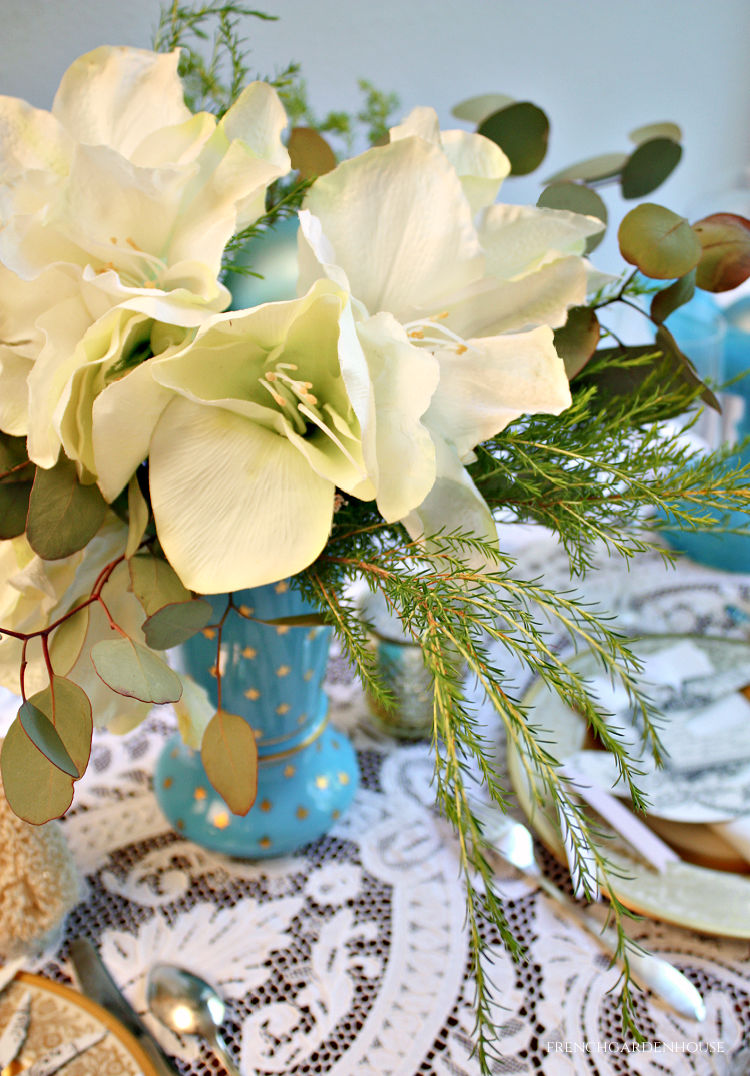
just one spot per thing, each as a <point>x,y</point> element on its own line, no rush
<point>454,505</point>
<point>31,139</point>
<point>498,306</point>
<point>521,239</point>
<point>229,498</point>
<point>403,380</point>
<point>379,213</point>
<point>494,382</point>
<point>479,163</point>
<point>115,96</point>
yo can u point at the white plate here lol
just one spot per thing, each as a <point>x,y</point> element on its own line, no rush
<point>712,901</point>
<point>59,1014</point>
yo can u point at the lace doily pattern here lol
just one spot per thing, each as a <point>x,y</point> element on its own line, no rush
<point>351,958</point>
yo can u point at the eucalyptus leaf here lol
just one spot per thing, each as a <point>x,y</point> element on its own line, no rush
<point>521,130</point>
<point>14,507</point>
<point>648,166</point>
<point>725,251</point>
<point>309,153</point>
<point>135,671</point>
<point>577,340</point>
<point>659,242</point>
<point>669,299</point>
<point>670,348</point>
<point>12,452</point>
<point>46,738</point>
<point>71,716</point>
<point>576,198</point>
<point>656,130</point>
<point>64,515</point>
<point>176,623</point>
<point>155,583</point>
<point>593,169</point>
<point>36,789</point>
<point>68,639</point>
<point>229,753</point>
<point>620,373</point>
<point>476,109</point>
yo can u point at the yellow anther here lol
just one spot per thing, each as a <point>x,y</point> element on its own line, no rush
<point>132,243</point>
<point>461,349</point>
<point>417,334</point>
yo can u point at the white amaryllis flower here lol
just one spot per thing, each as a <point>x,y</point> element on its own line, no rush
<point>249,432</point>
<point>120,174</point>
<point>454,311</point>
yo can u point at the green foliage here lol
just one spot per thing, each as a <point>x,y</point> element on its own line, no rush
<point>36,787</point>
<point>522,132</point>
<point>135,671</point>
<point>64,515</point>
<point>175,623</point>
<point>659,242</point>
<point>725,251</point>
<point>213,60</point>
<point>229,753</point>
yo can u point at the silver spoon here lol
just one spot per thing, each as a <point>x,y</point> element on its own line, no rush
<point>189,1006</point>
<point>513,842</point>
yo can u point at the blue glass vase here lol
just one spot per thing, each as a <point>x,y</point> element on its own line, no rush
<point>272,675</point>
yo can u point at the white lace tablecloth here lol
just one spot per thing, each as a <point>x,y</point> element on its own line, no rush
<point>351,958</point>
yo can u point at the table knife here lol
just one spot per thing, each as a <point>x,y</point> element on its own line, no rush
<point>97,984</point>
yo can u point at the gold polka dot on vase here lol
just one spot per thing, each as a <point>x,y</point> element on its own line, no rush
<point>289,770</point>
<point>283,670</point>
<point>336,814</point>
<point>245,610</point>
<point>209,633</point>
<point>302,719</point>
<point>252,693</point>
<point>344,778</point>
<point>167,782</point>
<point>282,587</point>
<point>179,824</point>
<point>213,671</point>
<point>283,708</point>
<point>302,813</point>
<point>309,674</point>
<point>200,793</point>
<point>312,634</point>
<point>220,820</point>
<point>321,781</point>
<point>282,629</point>
<point>249,652</point>
<point>265,842</point>
<point>265,806</point>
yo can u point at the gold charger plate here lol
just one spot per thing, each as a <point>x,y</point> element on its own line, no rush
<point>706,900</point>
<point>59,1014</point>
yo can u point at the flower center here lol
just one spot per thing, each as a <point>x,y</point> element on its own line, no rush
<point>292,395</point>
<point>431,332</point>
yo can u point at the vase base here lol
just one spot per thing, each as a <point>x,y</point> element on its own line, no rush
<point>300,797</point>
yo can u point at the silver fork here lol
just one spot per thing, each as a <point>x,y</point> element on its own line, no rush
<point>513,842</point>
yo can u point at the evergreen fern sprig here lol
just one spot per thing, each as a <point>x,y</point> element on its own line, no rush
<point>213,60</point>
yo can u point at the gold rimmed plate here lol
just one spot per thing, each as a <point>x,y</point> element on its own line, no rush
<point>699,897</point>
<point>60,1014</point>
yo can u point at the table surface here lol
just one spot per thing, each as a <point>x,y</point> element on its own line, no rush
<point>351,958</point>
